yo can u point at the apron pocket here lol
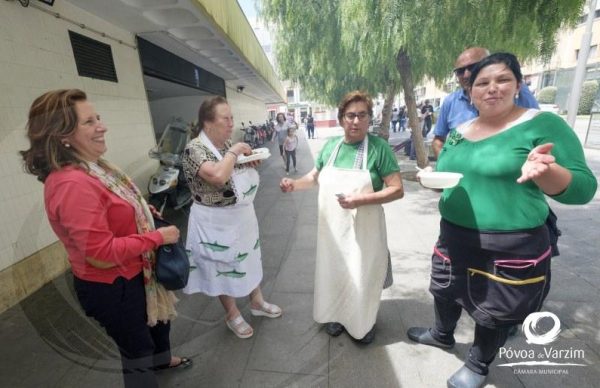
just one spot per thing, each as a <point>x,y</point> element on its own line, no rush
<point>513,291</point>
<point>441,269</point>
<point>215,243</point>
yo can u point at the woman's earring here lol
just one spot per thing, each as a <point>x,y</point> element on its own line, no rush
<point>517,96</point>
<point>67,145</point>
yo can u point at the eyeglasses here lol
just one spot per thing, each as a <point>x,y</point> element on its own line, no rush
<point>459,71</point>
<point>350,116</point>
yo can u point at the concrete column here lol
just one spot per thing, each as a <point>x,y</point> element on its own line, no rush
<point>580,70</point>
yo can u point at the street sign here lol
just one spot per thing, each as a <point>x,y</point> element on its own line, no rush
<point>592,137</point>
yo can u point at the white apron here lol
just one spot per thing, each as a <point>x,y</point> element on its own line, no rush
<point>352,254</point>
<point>223,242</point>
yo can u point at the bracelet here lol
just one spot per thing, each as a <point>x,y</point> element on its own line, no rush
<point>233,153</point>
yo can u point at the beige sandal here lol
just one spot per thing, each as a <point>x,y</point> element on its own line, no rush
<point>240,327</point>
<point>267,310</point>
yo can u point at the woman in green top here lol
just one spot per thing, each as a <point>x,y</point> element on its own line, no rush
<point>493,254</point>
<point>352,254</point>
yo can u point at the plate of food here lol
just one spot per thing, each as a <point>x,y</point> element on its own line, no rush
<point>439,179</point>
<point>257,154</point>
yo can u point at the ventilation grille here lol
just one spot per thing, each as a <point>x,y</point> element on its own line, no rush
<point>94,59</point>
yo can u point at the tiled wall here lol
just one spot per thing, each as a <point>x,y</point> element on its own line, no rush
<point>245,108</point>
<point>36,56</point>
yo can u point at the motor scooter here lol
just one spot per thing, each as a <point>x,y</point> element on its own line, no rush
<point>261,131</point>
<point>168,185</point>
<point>270,129</point>
<point>249,134</point>
<point>258,135</point>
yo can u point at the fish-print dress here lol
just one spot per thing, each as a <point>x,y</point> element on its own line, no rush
<point>223,241</point>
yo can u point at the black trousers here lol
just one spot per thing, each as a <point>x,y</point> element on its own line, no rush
<point>499,278</point>
<point>120,308</point>
<point>426,127</point>
<point>486,341</point>
<point>311,131</point>
<point>290,155</point>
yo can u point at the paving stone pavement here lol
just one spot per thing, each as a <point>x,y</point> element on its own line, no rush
<point>48,342</point>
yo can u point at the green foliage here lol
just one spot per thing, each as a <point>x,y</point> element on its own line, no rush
<point>588,96</point>
<point>547,95</point>
<point>332,46</point>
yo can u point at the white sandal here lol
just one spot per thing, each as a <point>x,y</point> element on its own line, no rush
<point>240,327</point>
<point>267,310</point>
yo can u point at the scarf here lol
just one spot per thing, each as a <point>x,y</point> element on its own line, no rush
<point>160,303</point>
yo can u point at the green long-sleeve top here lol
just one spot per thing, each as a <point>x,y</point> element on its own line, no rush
<point>488,198</point>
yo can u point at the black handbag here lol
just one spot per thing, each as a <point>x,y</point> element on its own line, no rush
<point>172,263</point>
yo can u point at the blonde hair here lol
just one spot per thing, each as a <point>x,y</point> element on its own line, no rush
<point>52,118</point>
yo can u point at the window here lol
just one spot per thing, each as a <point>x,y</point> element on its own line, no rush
<point>94,59</point>
<point>591,54</point>
<point>548,79</point>
<point>583,18</point>
<point>160,63</point>
<point>420,92</point>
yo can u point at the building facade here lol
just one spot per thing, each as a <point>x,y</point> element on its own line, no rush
<point>142,63</point>
<point>559,71</point>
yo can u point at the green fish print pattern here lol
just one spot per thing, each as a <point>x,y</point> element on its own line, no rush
<point>215,247</point>
<point>257,244</point>
<point>232,274</point>
<point>241,257</point>
<point>250,191</point>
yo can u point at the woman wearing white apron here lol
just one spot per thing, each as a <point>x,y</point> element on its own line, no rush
<point>223,238</point>
<point>356,173</point>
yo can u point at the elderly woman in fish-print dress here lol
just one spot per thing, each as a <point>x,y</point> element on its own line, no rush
<point>222,234</point>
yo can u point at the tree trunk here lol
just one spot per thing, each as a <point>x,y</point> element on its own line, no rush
<point>404,67</point>
<point>386,112</point>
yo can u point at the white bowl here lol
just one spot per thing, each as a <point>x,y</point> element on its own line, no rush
<point>439,180</point>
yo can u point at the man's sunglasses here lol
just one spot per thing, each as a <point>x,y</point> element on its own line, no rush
<point>459,71</point>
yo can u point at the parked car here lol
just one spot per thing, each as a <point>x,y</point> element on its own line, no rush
<point>550,108</point>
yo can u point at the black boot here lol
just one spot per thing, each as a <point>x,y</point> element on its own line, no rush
<point>423,336</point>
<point>334,328</point>
<point>368,338</point>
<point>466,378</point>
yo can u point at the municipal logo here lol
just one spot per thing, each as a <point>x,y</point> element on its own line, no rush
<point>541,329</point>
<point>531,328</point>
